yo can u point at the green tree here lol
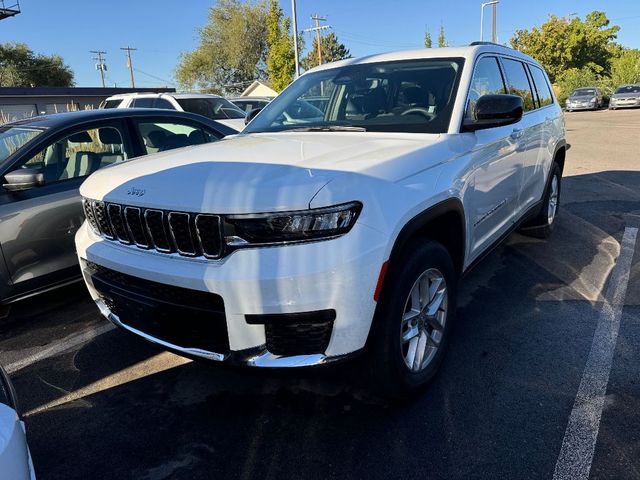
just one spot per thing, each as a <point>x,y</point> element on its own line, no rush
<point>625,68</point>
<point>331,49</point>
<point>442,42</point>
<point>560,45</point>
<point>427,40</point>
<point>232,50</point>
<point>280,56</point>
<point>21,67</point>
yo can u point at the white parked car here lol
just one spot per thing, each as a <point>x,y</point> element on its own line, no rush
<point>210,106</point>
<point>15,459</point>
<point>304,241</point>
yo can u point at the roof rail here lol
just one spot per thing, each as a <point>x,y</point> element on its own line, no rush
<point>473,44</point>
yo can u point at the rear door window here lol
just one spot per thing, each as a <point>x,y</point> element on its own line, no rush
<point>545,97</point>
<point>144,102</point>
<point>518,82</point>
<point>161,136</point>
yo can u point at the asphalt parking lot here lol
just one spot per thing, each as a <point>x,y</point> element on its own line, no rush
<point>535,326</point>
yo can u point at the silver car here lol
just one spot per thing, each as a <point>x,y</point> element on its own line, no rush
<point>625,96</point>
<point>586,98</point>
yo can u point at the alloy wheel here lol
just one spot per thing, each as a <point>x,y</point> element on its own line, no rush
<point>423,320</point>
<point>553,200</point>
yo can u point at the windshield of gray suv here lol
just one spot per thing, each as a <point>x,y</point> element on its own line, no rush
<point>398,96</point>
<point>582,92</point>
<point>13,139</point>
<point>629,89</point>
<point>213,108</point>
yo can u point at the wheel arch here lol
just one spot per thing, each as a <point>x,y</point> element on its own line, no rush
<point>429,224</point>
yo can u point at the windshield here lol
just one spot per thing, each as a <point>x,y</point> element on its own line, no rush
<point>14,138</point>
<point>400,96</point>
<point>214,108</point>
<point>629,89</point>
<point>581,92</point>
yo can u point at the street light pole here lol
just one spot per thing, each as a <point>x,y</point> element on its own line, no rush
<point>295,36</point>
<point>482,5</point>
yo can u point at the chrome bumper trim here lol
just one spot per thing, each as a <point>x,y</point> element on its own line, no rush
<point>258,357</point>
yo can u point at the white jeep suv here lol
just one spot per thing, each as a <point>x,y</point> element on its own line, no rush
<point>210,106</point>
<point>306,239</point>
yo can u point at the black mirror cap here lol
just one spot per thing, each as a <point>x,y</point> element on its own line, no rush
<point>495,111</point>
<point>252,114</point>
<point>23,179</point>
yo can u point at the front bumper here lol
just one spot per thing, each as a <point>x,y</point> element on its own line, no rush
<point>338,275</point>
<point>581,106</point>
<point>624,104</point>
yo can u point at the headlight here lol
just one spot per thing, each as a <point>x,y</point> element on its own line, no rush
<point>593,100</point>
<point>7,394</point>
<point>297,226</point>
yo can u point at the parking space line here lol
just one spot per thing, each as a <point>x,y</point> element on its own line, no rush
<point>578,445</point>
<point>66,344</point>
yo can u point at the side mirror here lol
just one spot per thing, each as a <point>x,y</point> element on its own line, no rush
<point>252,114</point>
<point>495,111</point>
<point>23,179</point>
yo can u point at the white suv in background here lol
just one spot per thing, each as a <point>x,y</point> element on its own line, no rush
<point>211,106</point>
<point>305,240</point>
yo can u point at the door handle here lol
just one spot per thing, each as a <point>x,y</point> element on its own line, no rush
<point>516,133</point>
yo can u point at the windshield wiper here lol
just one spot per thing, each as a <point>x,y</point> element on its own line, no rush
<point>328,128</point>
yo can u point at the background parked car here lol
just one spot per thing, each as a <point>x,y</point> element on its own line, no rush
<point>43,161</point>
<point>250,103</point>
<point>625,96</point>
<point>210,106</point>
<point>15,459</point>
<point>585,98</point>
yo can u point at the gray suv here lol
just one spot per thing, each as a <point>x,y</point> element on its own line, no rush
<point>43,161</point>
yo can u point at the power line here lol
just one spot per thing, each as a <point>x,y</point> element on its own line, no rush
<point>130,64</point>
<point>166,82</point>
<point>100,65</point>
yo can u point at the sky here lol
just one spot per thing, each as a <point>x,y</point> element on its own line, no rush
<point>162,29</point>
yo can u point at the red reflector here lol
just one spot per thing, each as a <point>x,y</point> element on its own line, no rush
<point>383,272</point>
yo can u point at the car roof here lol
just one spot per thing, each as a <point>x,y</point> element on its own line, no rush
<point>467,53</point>
<point>67,119</point>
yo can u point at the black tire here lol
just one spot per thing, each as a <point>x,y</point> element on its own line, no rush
<point>540,226</point>
<point>391,375</point>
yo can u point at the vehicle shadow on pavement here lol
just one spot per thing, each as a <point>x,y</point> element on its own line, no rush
<point>497,409</point>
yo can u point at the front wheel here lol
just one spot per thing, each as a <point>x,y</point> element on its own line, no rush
<point>414,318</point>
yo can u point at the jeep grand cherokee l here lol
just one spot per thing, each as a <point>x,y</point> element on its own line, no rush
<point>304,240</point>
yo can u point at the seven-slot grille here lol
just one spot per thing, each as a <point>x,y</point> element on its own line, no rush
<point>188,234</point>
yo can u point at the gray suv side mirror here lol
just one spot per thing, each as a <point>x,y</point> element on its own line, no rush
<point>495,111</point>
<point>23,179</point>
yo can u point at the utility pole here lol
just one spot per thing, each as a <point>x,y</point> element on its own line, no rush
<point>130,64</point>
<point>493,24</point>
<point>317,29</point>
<point>482,5</point>
<point>100,65</point>
<point>295,36</point>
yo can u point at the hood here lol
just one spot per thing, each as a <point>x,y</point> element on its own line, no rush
<point>626,95</point>
<point>582,98</point>
<point>258,172</point>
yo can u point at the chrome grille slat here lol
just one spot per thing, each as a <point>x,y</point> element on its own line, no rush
<point>135,226</point>
<point>209,235</point>
<point>184,233</point>
<point>100,211</point>
<point>180,230</point>
<point>154,220</point>
<point>114,212</point>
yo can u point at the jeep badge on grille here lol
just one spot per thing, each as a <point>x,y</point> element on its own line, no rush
<point>138,192</point>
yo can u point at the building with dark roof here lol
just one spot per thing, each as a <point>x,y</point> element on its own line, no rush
<point>17,103</point>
